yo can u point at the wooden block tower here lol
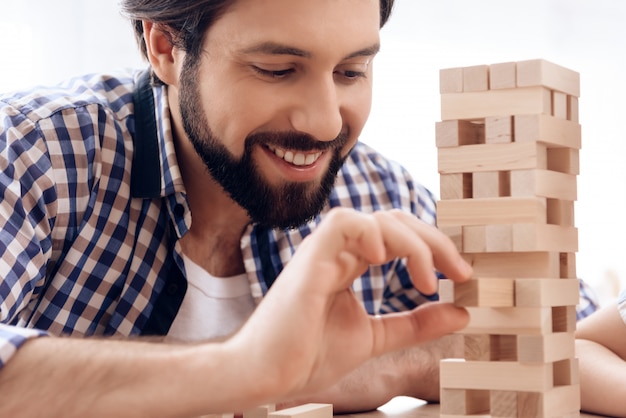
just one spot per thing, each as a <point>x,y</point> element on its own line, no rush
<point>508,147</point>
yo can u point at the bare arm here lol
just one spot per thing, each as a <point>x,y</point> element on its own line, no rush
<point>91,377</point>
<point>307,333</point>
<point>601,351</point>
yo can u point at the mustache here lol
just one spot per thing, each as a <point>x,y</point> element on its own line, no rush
<point>298,141</point>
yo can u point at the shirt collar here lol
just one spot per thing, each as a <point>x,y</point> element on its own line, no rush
<point>155,171</point>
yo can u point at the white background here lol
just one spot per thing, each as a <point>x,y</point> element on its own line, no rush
<point>45,41</point>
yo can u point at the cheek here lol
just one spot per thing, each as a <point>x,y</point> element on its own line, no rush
<point>230,113</point>
<point>357,111</point>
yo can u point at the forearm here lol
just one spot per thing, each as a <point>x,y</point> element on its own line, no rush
<point>412,372</point>
<point>602,379</point>
<point>94,377</point>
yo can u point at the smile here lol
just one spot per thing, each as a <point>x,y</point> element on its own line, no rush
<point>295,157</point>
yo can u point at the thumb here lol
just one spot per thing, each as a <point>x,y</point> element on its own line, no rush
<point>427,322</point>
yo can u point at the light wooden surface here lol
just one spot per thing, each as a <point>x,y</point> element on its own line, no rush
<point>403,407</point>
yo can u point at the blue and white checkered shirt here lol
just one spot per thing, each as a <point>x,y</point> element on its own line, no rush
<point>89,235</point>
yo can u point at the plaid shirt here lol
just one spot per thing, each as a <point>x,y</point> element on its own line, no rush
<point>92,208</point>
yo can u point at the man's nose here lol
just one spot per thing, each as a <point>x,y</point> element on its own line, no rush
<point>318,110</point>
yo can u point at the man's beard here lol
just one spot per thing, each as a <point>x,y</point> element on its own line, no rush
<point>283,206</point>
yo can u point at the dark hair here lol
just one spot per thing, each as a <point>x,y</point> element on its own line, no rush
<point>186,21</point>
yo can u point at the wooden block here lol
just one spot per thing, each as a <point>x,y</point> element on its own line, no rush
<point>492,157</point>
<point>503,404</point>
<point>564,160</point>
<point>487,238</point>
<point>544,237</point>
<point>453,133</point>
<point>567,262</point>
<point>563,318</point>
<point>490,184</point>
<point>464,402</point>
<point>572,108</point>
<point>565,372</point>
<point>259,412</point>
<point>485,375</point>
<point>487,347</point>
<point>561,401</point>
<point>498,129</point>
<point>546,292</point>
<point>540,72</point>
<point>503,347</point>
<point>560,212</point>
<point>477,347</point>
<point>465,416</point>
<point>532,404</point>
<point>451,80</point>
<point>509,321</point>
<point>485,184</point>
<point>547,130</point>
<point>446,290</point>
<point>485,292</point>
<point>501,210</point>
<point>455,233</point>
<point>476,78</point>
<point>545,348</point>
<point>309,410</point>
<point>455,186</point>
<point>518,265</point>
<point>559,105</point>
<point>502,76</point>
<point>544,183</point>
<point>475,238</point>
<point>481,104</point>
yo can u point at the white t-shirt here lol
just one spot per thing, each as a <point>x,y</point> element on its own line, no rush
<point>213,307</point>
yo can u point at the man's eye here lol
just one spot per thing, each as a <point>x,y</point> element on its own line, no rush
<point>350,75</point>
<point>273,73</point>
<point>354,74</point>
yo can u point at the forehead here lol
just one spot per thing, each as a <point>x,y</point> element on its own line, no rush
<point>310,25</point>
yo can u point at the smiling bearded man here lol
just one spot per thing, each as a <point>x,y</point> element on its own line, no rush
<point>286,205</point>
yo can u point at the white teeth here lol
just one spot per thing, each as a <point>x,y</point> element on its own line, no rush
<point>310,159</point>
<point>297,158</point>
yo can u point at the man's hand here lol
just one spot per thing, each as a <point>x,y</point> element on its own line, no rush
<point>304,336</point>
<point>310,330</point>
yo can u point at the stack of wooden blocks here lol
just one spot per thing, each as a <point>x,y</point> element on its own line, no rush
<point>508,156</point>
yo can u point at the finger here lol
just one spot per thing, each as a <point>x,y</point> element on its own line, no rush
<point>402,241</point>
<point>445,256</point>
<point>424,323</point>
<point>340,249</point>
<point>424,247</point>
<point>352,231</point>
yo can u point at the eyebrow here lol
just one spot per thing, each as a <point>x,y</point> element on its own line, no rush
<point>365,52</point>
<point>273,48</point>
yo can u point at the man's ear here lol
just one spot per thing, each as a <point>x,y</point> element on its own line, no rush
<point>164,58</point>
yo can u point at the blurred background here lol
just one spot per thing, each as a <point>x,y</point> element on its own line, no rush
<point>46,41</point>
